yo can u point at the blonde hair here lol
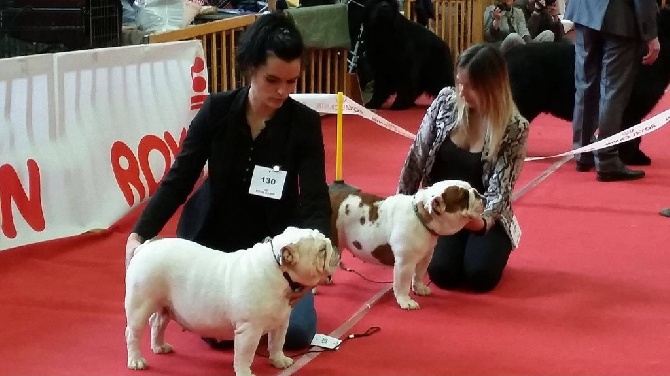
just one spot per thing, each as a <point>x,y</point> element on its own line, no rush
<point>487,71</point>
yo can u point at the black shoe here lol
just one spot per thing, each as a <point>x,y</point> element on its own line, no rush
<point>635,158</point>
<point>622,173</point>
<point>585,166</point>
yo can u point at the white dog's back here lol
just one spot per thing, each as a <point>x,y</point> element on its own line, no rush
<point>192,267</point>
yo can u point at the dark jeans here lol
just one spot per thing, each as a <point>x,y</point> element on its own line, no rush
<point>301,327</point>
<point>469,261</point>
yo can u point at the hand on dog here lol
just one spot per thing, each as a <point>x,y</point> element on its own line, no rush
<point>133,242</point>
<point>475,224</point>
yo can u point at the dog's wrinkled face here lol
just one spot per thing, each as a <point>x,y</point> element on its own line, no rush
<point>307,255</point>
<point>452,203</point>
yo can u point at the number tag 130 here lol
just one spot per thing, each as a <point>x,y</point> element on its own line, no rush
<point>267,182</point>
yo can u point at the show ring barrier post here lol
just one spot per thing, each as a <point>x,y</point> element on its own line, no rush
<point>338,184</point>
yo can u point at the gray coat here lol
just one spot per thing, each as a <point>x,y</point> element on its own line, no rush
<point>629,18</point>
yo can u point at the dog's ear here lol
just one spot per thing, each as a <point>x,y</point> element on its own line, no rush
<point>322,258</point>
<point>289,255</point>
<point>435,205</point>
<point>456,199</point>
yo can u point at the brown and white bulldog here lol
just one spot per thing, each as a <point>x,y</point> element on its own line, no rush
<point>401,230</point>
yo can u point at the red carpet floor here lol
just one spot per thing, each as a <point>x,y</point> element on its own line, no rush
<point>586,293</point>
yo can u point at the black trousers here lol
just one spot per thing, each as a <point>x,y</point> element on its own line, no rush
<point>468,261</point>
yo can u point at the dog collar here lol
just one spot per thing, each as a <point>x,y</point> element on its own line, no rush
<point>295,287</point>
<point>423,221</point>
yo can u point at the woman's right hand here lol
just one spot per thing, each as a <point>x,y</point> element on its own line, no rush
<point>133,242</point>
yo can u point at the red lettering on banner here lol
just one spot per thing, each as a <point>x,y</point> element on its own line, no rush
<point>129,177</point>
<point>172,144</point>
<point>12,190</point>
<point>138,164</point>
<point>198,83</point>
<point>149,143</point>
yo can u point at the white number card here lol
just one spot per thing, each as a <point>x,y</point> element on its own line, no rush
<point>325,341</point>
<point>267,182</point>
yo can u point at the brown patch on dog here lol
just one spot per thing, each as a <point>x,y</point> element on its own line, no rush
<point>357,244</point>
<point>372,201</point>
<point>456,199</point>
<point>337,196</point>
<point>384,254</point>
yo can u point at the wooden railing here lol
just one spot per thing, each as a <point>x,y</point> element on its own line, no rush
<point>324,70</point>
<point>460,23</point>
<point>219,42</point>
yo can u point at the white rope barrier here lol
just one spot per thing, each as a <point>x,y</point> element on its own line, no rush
<point>327,103</point>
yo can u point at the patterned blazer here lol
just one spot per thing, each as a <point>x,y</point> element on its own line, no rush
<point>499,175</point>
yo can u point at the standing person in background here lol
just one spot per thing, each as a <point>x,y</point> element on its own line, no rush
<point>609,35</point>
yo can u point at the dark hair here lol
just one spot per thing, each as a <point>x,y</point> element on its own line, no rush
<point>271,34</point>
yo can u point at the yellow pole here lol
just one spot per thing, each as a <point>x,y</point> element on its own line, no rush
<point>338,147</point>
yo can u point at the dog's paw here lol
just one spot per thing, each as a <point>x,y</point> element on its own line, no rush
<point>165,348</point>
<point>407,303</point>
<point>137,363</point>
<point>421,289</point>
<point>282,361</point>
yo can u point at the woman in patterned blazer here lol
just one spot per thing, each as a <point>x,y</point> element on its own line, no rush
<point>475,133</point>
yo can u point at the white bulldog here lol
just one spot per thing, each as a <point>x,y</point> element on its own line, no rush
<point>402,230</point>
<point>240,295</point>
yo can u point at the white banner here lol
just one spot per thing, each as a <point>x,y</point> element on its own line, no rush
<point>85,136</point>
<point>327,104</point>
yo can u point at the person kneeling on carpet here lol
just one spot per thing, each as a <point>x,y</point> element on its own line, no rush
<point>246,136</point>
<point>475,133</point>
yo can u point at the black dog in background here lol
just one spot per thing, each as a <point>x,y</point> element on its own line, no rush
<point>542,76</point>
<point>404,57</point>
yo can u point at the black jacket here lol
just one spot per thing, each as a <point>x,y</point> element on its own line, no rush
<point>294,142</point>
